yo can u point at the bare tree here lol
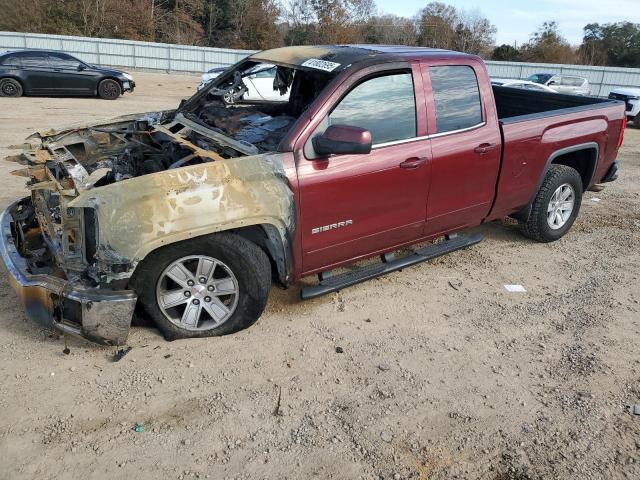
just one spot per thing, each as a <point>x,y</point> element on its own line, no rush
<point>443,26</point>
<point>390,30</point>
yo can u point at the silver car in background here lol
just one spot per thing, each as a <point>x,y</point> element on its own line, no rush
<point>561,83</point>
<point>524,84</point>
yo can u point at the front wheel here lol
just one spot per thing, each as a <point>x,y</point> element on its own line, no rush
<point>556,205</point>
<point>109,89</point>
<point>204,287</point>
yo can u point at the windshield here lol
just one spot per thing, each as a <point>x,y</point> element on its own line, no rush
<point>257,102</point>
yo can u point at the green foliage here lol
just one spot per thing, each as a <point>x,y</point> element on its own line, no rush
<point>506,53</point>
<point>617,44</point>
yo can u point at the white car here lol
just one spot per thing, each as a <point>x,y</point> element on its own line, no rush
<point>259,84</point>
<point>210,75</point>
<point>524,84</point>
<point>631,97</point>
<point>569,84</point>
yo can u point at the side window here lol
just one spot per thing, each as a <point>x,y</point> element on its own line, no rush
<point>61,60</point>
<point>34,59</point>
<point>385,106</point>
<point>11,61</point>
<point>457,97</point>
<point>573,81</point>
<point>270,73</point>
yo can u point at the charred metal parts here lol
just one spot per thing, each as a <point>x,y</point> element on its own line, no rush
<point>100,315</point>
<point>233,92</point>
<point>205,131</point>
<point>332,283</point>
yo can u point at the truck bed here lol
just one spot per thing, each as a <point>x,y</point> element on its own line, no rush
<point>516,105</point>
<point>535,126</point>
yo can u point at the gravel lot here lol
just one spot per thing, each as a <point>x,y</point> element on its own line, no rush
<point>444,374</point>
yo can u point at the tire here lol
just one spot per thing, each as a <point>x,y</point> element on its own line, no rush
<point>109,89</point>
<point>549,219</point>
<point>636,121</point>
<point>10,87</point>
<point>237,258</point>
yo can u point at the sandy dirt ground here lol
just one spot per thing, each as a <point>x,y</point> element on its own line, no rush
<point>443,374</point>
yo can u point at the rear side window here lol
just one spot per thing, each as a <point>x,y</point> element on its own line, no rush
<point>11,61</point>
<point>270,73</point>
<point>385,106</point>
<point>34,59</point>
<point>572,81</point>
<point>457,97</point>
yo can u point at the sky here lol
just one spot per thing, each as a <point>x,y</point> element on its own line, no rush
<point>516,20</point>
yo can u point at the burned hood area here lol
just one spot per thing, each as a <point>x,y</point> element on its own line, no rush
<point>103,196</point>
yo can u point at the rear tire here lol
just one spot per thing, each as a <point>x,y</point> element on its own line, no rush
<point>555,206</point>
<point>636,121</point>
<point>10,87</point>
<point>240,267</point>
<point>109,89</point>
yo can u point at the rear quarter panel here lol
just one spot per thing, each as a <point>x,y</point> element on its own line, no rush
<point>529,145</point>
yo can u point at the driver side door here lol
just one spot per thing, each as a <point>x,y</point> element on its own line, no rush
<point>358,205</point>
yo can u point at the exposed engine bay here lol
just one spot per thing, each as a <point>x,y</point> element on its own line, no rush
<point>215,125</point>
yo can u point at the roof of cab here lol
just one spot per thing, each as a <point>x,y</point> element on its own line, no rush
<point>333,58</point>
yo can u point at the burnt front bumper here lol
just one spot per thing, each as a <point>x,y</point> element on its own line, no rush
<point>99,315</point>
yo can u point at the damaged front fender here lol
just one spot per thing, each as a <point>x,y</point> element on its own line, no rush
<point>141,214</point>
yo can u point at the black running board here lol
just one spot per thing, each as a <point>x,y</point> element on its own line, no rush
<point>388,265</point>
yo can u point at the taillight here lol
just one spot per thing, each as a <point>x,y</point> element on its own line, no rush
<point>621,137</point>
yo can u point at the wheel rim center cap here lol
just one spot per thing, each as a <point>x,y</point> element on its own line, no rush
<point>198,291</point>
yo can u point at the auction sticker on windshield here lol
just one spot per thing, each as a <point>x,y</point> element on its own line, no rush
<point>321,64</point>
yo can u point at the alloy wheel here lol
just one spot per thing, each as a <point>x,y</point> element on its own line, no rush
<point>560,206</point>
<point>197,292</point>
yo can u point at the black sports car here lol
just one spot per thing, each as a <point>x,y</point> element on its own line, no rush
<point>40,72</point>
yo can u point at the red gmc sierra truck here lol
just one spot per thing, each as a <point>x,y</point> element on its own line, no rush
<point>189,215</point>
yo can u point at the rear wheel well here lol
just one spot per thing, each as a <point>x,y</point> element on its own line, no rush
<point>583,160</point>
<point>2,77</point>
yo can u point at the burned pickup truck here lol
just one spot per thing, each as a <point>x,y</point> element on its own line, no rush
<point>190,215</point>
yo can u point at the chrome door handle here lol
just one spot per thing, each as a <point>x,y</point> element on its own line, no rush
<point>413,162</point>
<point>484,148</point>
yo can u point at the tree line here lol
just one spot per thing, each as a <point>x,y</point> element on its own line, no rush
<point>260,24</point>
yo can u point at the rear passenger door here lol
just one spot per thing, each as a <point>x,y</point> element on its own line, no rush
<point>465,146</point>
<point>37,73</point>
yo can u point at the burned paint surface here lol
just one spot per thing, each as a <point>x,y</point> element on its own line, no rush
<point>344,55</point>
<point>137,215</point>
<point>140,214</point>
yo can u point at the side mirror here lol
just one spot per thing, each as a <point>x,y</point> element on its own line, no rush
<point>552,82</point>
<point>343,140</point>
<point>81,67</point>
